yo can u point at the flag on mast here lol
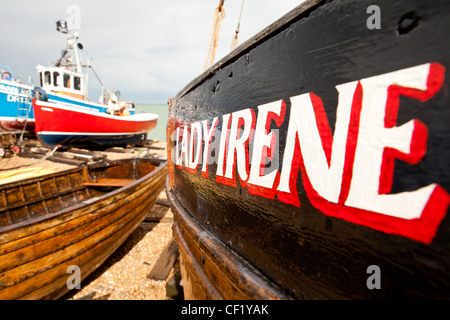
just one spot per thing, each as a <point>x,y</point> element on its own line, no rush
<point>62,27</point>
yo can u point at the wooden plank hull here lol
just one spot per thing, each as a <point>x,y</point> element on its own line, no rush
<point>312,162</point>
<point>79,225</point>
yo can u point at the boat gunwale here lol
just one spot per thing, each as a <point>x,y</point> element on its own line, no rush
<point>85,203</point>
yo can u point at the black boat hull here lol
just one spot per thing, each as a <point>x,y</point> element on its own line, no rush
<point>317,155</point>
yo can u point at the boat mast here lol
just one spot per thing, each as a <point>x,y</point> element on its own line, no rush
<point>86,89</point>
<point>73,43</point>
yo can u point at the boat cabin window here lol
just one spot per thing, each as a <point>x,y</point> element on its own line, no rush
<point>76,83</point>
<point>40,79</point>
<point>55,78</point>
<point>47,79</point>
<point>67,80</point>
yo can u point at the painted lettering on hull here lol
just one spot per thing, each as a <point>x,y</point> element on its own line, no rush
<point>347,174</point>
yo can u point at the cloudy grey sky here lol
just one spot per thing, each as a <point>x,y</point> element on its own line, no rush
<point>149,50</point>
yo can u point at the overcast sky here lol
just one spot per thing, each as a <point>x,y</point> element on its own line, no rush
<point>149,50</point>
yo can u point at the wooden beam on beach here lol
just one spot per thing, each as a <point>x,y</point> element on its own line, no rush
<point>165,262</point>
<point>73,162</point>
<point>163,202</point>
<point>120,150</point>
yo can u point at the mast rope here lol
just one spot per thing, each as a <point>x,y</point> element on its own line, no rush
<point>235,41</point>
<point>219,15</point>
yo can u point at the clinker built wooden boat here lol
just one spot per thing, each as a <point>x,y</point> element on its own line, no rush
<point>312,161</point>
<point>76,217</point>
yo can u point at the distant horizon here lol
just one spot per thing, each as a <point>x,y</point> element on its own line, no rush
<point>159,132</point>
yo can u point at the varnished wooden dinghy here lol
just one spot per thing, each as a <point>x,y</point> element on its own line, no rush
<point>312,161</point>
<point>52,224</point>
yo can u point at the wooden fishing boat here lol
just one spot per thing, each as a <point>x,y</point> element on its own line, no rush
<point>52,224</point>
<point>312,161</point>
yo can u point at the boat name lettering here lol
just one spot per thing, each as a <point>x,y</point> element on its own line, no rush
<point>346,175</point>
<point>19,99</point>
<point>9,88</point>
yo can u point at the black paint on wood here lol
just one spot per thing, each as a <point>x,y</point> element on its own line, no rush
<point>304,251</point>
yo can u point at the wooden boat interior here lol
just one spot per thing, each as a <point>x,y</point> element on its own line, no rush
<point>25,201</point>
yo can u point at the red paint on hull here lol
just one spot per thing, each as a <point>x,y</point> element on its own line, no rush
<point>51,117</point>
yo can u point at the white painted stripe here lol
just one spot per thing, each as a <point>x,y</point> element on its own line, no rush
<point>83,101</point>
<point>16,119</point>
<point>65,103</point>
<point>14,93</point>
<point>15,84</point>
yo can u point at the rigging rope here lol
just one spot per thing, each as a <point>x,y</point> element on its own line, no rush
<point>219,15</point>
<point>235,41</point>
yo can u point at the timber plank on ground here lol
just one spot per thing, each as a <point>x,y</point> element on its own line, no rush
<point>165,262</point>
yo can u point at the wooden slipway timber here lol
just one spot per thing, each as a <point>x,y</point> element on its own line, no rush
<point>76,217</point>
<point>312,161</point>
